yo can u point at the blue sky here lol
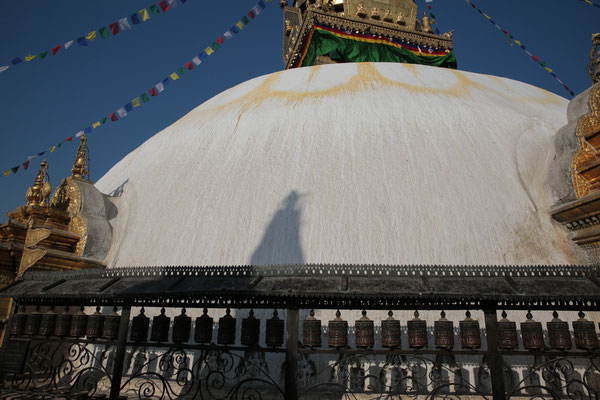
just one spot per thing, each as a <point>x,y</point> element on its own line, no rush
<point>43,102</point>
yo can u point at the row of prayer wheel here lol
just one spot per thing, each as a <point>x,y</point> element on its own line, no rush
<point>443,332</point>
<point>203,331</point>
<point>79,325</point>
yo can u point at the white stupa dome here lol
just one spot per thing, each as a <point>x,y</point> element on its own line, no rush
<point>347,163</point>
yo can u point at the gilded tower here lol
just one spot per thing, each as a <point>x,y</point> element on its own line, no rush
<point>333,31</point>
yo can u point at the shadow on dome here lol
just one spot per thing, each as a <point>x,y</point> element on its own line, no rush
<point>280,243</point>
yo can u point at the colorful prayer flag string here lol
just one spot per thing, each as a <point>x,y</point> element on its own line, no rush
<point>522,46</point>
<point>591,3</point>
<point>104,32</point>
<point>159,87</point>
<point>428,4</point>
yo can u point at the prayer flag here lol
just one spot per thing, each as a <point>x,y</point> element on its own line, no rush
<point>152,92</point>
<point>163,5</point>
<point>174,76</point>
<point>25,165</point>
<point>437,31</point>
<point>548,69</point>
<point>535,58</point>
<point>517,42</point>
<point>42,55</point>
<point>52,149</point>
<point>195,60</point>
<point>215,46</point>
<point>256,10</point>
<point>135,19</point>
<point>15,169</point>
<point>122,113</point>
<point>16,61</point>
<point>29,158</point>
<point>136,102</point>
<point>41,154</point>
<point>250,14</point>
<point>154,8</point>
<point>5,67</point>
<point>428,6</point>
<point>209,51</point>
<point>113,117</point>
<point>104,32</point>
<point>262,4</point>
<point>428,1</point>
<point>240,25</point>
<point>420,52</point>
<point>228,35</point>
<point>103,120</point>
<point>55,50</point>
<point>571,93</point>
<point>30,57</point>
<point>91,36</point>
<point>96,124</point>
<point>203,55</point>
<point>181,70</point>
<point>7,172</point>
<point>79,134</point>
<point>124,24</point>
<point>245,20</point>
<point>60,144</point>
<point>144,14</point>
<point>220,40</point>
<point>234,29</point>
<point>88,129</point>
<point>166,81</point>
<point>128,107</point>
<point>159,86</point>
<point>114,28</point>
<point>68,44</point>
<point>173,3</point>
<point>145,98</point>
<point>189,65</point>
<point>82,41</point>
<point>68,139</point>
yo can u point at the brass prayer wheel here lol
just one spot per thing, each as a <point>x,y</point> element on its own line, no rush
<point>311,331</point>
<point>204,328</point>
<point>32,326</point>
<point>95,325</point>
<point>111,325</point>
<point>417,332</point>
<point>78,324</point>
<point>338,331</point>
<point>226,332</point>
<point>182,325</point>
<point>250,330</point>
<point>532,332</point>
<point>585,333</point>
<point>558,333</point>
<point>364,331</point>
<point>275,331</point>
<point>160,327</point>
<point>470,335</point>
<point>390,332</point>
<point>139,327</point>
<point>18,323</point>
<point>507,333</point>
<point>443,333</point>
<point>63,323</point>
<point>48,323</point>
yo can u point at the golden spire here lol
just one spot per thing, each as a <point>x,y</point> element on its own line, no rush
<point>594,67</point>
<point>37,195</point>
<point>80,169</point>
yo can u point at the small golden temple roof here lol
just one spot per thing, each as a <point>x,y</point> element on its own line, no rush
<point>80,169</point>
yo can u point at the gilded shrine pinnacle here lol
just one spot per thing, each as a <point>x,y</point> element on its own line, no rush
<point>37,195</point>
<point>80,169</point>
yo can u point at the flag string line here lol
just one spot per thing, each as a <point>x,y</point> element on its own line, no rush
<point>522,46</point>
<point>104,32</point>
<point>159,87</point>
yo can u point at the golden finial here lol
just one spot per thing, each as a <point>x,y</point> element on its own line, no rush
<point>80,169</point>
<point>37,195</point>
<point>594,66</point>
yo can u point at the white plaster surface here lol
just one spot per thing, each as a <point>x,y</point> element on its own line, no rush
<point>347,163</point>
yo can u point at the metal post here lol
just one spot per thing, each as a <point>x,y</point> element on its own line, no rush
<point>291,355</point>
<point>117,373</point>
<point>495,360</point>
